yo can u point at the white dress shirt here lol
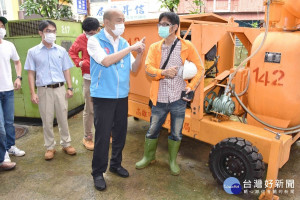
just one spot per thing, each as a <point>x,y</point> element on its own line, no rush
<point>98,53</point>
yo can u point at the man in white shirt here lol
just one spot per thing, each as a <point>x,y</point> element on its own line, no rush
<point>7,130</point>
<point>110,64</point>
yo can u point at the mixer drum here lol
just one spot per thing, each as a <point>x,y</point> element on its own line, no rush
<point>274,90</point>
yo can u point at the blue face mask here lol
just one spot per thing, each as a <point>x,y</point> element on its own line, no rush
<point>164,31</point>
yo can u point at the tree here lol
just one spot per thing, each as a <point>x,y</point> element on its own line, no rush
<point>53,9</point>
<point>198,8</point>
<point>255,25</point>
<point>172,5</point>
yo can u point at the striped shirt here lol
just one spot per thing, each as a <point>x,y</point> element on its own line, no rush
<point>170,89</point>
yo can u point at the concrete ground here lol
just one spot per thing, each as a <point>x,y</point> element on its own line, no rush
<point>68,177</point>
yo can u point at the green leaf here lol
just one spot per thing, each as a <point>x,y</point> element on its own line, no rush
<point>197,4</point>
<point>47,8</point>
<point>172,5</point>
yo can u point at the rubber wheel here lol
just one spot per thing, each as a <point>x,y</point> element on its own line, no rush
<point>136,119</point>
<point>236,157</point>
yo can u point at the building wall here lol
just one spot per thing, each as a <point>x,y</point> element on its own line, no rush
<point>239,9</point>
<point>10,9</point>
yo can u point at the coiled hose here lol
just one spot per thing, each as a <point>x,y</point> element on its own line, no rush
<point>229,85</point>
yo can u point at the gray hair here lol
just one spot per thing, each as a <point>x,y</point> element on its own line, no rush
<point>110,12</point>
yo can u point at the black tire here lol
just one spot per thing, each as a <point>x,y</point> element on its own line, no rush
<point>236,157</point>
<point>136,119</point>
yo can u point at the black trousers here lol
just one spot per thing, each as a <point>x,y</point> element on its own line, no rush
<point>110,117</point>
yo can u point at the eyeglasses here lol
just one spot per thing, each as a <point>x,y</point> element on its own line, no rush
<point>164,24</point>
<point>50,31</point>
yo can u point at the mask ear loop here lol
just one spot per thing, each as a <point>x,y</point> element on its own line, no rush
<point>109,26</point>
<point>113,26</point>
<point>172,26</point>
<point>176,29</point>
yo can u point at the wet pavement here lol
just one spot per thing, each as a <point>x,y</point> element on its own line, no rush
<point>68,177</point>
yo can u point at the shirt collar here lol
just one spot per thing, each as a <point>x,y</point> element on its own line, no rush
<point>109,37</point>
<point>41,45</point>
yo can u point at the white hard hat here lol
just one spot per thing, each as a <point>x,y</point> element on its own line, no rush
<point>189,70</point>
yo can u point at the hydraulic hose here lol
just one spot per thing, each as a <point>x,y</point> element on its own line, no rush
<point>292,132</point>
<point>251,56</point>
<point>291,129</point>
<point>247,86</point>
<point>259,120</point>
<point>229,84</point>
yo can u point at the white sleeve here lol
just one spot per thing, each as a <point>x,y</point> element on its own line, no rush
<point>14,55</point>
<point>95,50</point>
<point>132,59</point>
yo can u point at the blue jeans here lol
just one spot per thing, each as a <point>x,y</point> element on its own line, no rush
<point>158,117</point>
<point>7,129</point>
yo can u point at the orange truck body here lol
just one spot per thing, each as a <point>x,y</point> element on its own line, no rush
<point>275,103</point>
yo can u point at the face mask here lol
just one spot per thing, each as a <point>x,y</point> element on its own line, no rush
<point>50,38</point>
<point>163,31</point>
<point>88,36</point>
<point>119,29</point>
<point>2,33</point>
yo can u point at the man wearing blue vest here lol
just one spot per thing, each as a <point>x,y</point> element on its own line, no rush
<point>110,66</point>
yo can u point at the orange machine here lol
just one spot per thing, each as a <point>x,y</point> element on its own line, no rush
<point>274,89</point>
<point>265,90</point>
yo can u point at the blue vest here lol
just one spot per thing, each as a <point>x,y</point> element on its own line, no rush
<point>110,82</point>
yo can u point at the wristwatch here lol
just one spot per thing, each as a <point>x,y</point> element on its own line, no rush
<point>19,77</point>
<point>71,89</point>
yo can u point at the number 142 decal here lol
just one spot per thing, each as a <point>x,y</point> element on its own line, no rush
<point>274,77</point>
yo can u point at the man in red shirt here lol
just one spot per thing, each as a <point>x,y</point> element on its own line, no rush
<point>90,27</point>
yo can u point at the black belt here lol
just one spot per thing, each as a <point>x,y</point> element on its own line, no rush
<point>54,85</point>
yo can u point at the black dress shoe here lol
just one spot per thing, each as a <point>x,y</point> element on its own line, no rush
<point>120,171</point>
<point>99,182</point>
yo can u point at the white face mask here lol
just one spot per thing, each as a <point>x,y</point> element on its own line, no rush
<point>88,36</point>
<point>119,29</point>
<point>2,33</point>
<point>50,38</point>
